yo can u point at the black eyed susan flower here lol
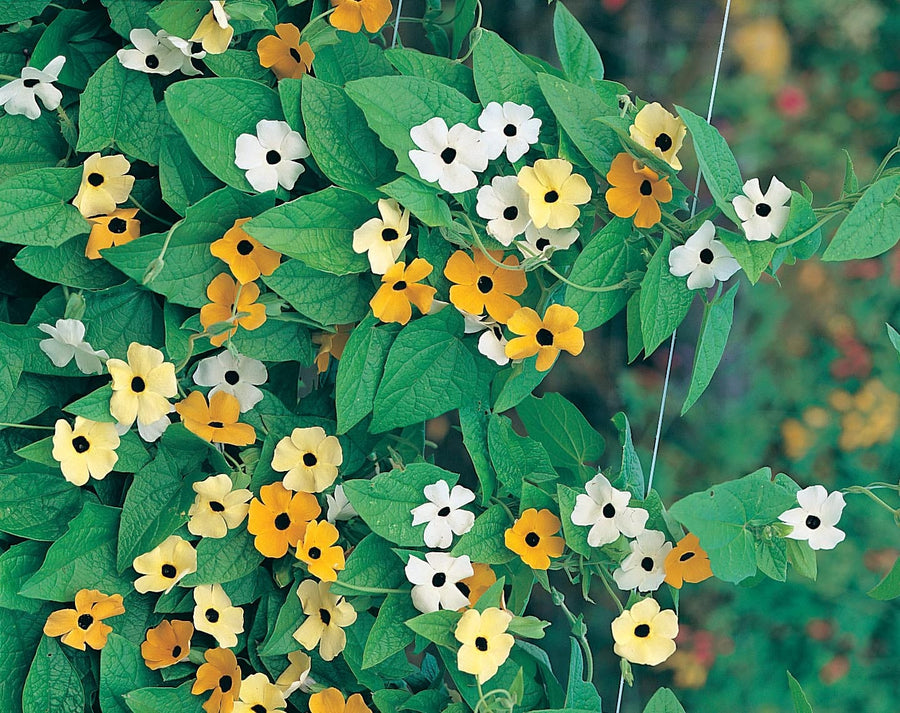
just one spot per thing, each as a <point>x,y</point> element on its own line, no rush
<point>331,700</point>
<point>505,206</point>
<point>215,615</point>
<point>214,32</point>
<point>67,342</point>
<point>485,643</point>
<point>480,285</point>
<point>435,581</point>
<point>444,514</point>
<point>319,552</point>
<point>284,53</point>
<point>165,565</point>
<point>234,374</point>
<point>400,289</point>
<point>217,508</point>
<point>331,344</point>
<point>279,518</point>
<point>554,192</point>
<point>104,184</point>
<point>703,259</point>
<point>384,238</point>
<point>221,675</point>
<point>351,15</point>
<point>326,616</point>
<point>142,387</point>
<point>533,538</point>
<point>644,567</point>
<point>259,695</point>
<point>152,54</point>
<point>544,242</point>
<point>544,337</point>
<point>687,562</point>
<point>482,579</point>
<point>118,228</point>
<point>817,517</point>
<point>20,95</point>
<point>449,157</point>
<point>509,127</point>
<point>88,450</point>
<point>295,676</point>
<point>763,215</point>
<point>660,132</point>
<point>271,156</point>
<point>644,634</point>
<point>167,644</point>
<point>636,191</point>
<point>309,458</point>
<point>605,510</point>
<point>216,422</point>
<point>245,255</point>
<point>84,625</point>
<point>233,303</point>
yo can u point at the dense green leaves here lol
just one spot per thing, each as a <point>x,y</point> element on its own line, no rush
<point>359,371</point>
<point>36,502</point>
<point>872,227</point>
<point>53,683</point>
<point>561,429</point>
<point>27,144</point>
<point>35,208</point>
<point>325,298</point>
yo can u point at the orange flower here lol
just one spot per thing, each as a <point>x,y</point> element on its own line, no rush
<point>544,337</point>
<point>392,301</point>
<point>117,228</point>
<point>349,15</point>
<point>331,344</point>
<point>222,675</point>
<point>532,538</point>
<point>246,256</point>
<point>285,55</point>
<point>687,562</point>
<point>322,557</point>
<point>83,624</point>
<point>167,644</point>
<point>280,518</point>
<point>476,585</point>
<point>331,700</point>
<point>636,191</point>
<point>482,285</point>
<point>223,292</point>
<point>216,422</point>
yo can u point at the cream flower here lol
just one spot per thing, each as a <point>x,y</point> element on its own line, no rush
<point>485,643</point>
<point>815,519</point>
<point>165,565</point>
<point>510,127</point>
<point>383,238</point>
<point>142,388</point>
<point>644,634</point>
<point>339,507</point>
<point>215,615</point>
<point>763,215</point>
<point>309,458</point>
<point>546,241</point>
<point>217,508</point>
<point>703,259</point>
<point>644,568</point>
<point>449,157</point>
<point>104,184</point>
<point>214,32</point>
<point>505,206</point>
<point>259,695</point>
<point>606,511</point>
<point>20,95</point>
<point>435,580</point>
<point>554,192</point>
<point>88,450</point>
<point>444,514</point>
<point>271,157</point>
<point>67,342</point>
<point>660,132</point>
<point>326,616</point>
<point>296,675</point>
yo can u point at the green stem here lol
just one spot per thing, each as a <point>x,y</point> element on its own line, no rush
<point>579,631</point>
<point>883,165</point>
<point>156,265</point>
<point>25,425</point>
<point>807,232</point>
<point>865,491</point>
<point>372,590</point>
<point>152,215</point>
<point>9,77</point>
<point>605,288</point>
<point>476,28</point>
<point>609,589</point>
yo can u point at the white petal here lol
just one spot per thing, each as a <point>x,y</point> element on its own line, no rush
<point>430,136</point>
<point>460,496</point>
<point>248,152</point>
<point>272,133</point>
<point>832,509</point>
<point>702,277</point>
<point>288,172</point>
<point>812,498</point>
<point>293,146</point>
<point>88,361</point>
<point>418,571</point>
<point>456,178</point>
<point>247,395</point>
<point>453,599</point>
<point>426,598</point>
<point>602,533</point>
<point>753,191</point>
<point>49,95</point>
<point>460,521</point>
<point>493,348</point>
<point>54,67</point>
<point>743,206</point>
<point>209,372</point>
<point>429,165</point>
<point>263,178</point>
<point>424,513</point>
<point>492,118</point>
<point>825,538</point>
<point>683,260</point>
<point>60,354</point>
<point>778,193</point>
<point>151,432</point>
<point>438,493</point>
<point>438,534</point>
<point>757,228</point>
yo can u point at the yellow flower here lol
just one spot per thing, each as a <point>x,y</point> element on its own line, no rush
<point>476,585</point>
<point>636,191</point>
<point>553,193</point>
<point>383,238</point>
<point>309,458</point>
<point>322,557</point>
<point>544,337</point>
<point>687,562</point>
<point>295,675</point>
<point>217,508</point>
<point>349,15</point>
<point>259,695</point>
<point>392,301</point>
<point>481,285</point>
<point>326,616</point>
<point>165,565</point>
<point>216,422</point>
<point>167,644</point>
<point>532,537</point>
<point>485,643</point>
<point>222,675</point>
<point>644,634</point>
<point>88,450</point>
<point>331,344</point>
<point>104,184</point>
<point>279,518</point>
<point>658,131</point>
<point>246,256</point>
<point>214,32</point>
<point>331,700</point>
<point>117,228</point>
<point>223,293</point>
<point>214,615</point>
<point>285,55</point>
<point>84,624</point>
<point>142,386</point>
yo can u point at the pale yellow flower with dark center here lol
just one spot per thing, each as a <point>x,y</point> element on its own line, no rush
<point>259,695</point>
<point>214,32</point>
<point>141,387</point>
<point>326,616</point>
<point>660,132</point>
<point>554,192</point>
<point>485,643</point>
<point>383,238</point>
<point>104,184</point>
<point>294,677</point>
<point>644,634</point>
<point>215,615</point>
<point>165,565</point>
<point>88,450</point>
<point>309,458</point>
<point>217,508</point>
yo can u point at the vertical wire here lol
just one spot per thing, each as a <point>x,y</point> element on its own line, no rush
<point>397,23</point>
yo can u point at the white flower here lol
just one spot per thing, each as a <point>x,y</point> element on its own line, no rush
<point>434,581</point>
<point>644,568</point>
<point>234,374</point>
<point>606,510</point>
<point>763,215</point>
<point>545,241</point>
<point>491,343</point>
<point>509,128</point>
<point>269,158</point>
<point>816,518</point>
<point>383,238</point>
<point>190,51</point>
<point>443,514</point>
<point>505,205</point>
<point>703,259</point>
<point>449,157</point>
<point>153,54</point>
<point>20,95</point>
<point>149,432</point>
<point>215,615</point>
<point>67,341</point>
<point>339,507</point>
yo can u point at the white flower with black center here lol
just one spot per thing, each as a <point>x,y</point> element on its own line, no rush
<point>545,241</point>
<point>152,54</point>
<point>443,513</point>
<point>234,374</point>
<point>67,342</point>
<point>511,128</point>
<point>383,238</point>
<point>763,215</point>
<point>271,157</point>
<point>449,157</point>
<point>644,568</point>
<point>190,50</point>
<point>435,581</point>
<point>815,519</point>
<point>703,259</point>
<point>491,343</point>
<point>505,206</point>
<point>339,507</point>
<point>20,95</point>
<point>606,511</point>
<point>215,615</point>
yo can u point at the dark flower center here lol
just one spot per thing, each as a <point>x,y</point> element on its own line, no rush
<point>296,55</point>
<point>232,377</point>
<point>439,579</point>
<point>259,707</point>
<point>647,564</point>
<point>400,285</point>
<point>448,155</point>
<point>481,643</point>
<point>95,179</point>
<point>137,384</point>
<point>551,197</point>
<point>706,256</point>
<point>196,47</point>
<point>314,553</point>
<point>485,284</point>
<point>663,142</point>
<point>544,337</point>
<point>532,539</point>
<point>541,243</point>
<point>389,235</point>
<point>812,522</point>
<point>609,510</point>
<point>225,684</point>
<point>282,521</point>
<point>510,212</point>
<point>212,615</point>
<point>176,652</point>
<point>642,631</point>
<point>80,444</point>
<point>216,506</point>
<point>444,511</point>
<point>763,209</point>
<point>686,556</point>
<point>152,61</point>
<point>245,247</point>
<point>510,130</point>
<point>646,188</point>
<point>117,225</point>
<point>309,459</point>
<point>168,571</point>
<point>29,83</point>
<point>84,621</point>
<point>216,424</point>
<point>463,588</point>
<point>325,616</point>
<point>272,157</point>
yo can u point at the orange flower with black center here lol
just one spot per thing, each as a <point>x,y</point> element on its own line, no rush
<point>233,304</point>
<point>284,54</point>
<point>687,562</point>
<point>221,675</point>
<point>482,285</point>
<point>167,644</point>
<point>280,518</point>
<point>216,422</point>
<point>400,290</point>
<point>476,585</point>
<point>351,15</point>
<point>331,344</point>
<point>636,191</point>
<point>117,228</point>
<point>246,256</point>
<point>322,557</point>
<point>544,337</point>
<point>84,624</point>
<point>331,700</point>
<point>532,537</point>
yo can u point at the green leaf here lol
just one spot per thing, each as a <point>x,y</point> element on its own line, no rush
<point>371,567</point>
<point>575,536</point>
<point>798,697</point>
<point>352,57</point>
<point>851,182</point>
<point>754,256</point>
<point>52,683</point>
<point>359,371</point>
<point>717,318</point>
<point>121,316</point>
<point>122,669</point>
<point>894,336</point>
<point>631,474</point>
<point>127,15</point>
<point>37,502</point>
<point>73,33</point>
<point>665,299</point>
<point>183,180</point>
<point>800,219</point>
<point>889,586</point>
<point>27,144</point>
<point>35,207</point>
<point>93,406</point>
<point>225,559</point>
<point>413,63</point>
<point>317,229</point>
<point>17,564</point>
<point>388,634</point>
<point>437,627</point>
<point>325,298</point>
<point>473,422</point>
<point>663,701</point>
<point>580,694</point>
<point>485,541</point>
<point>179,17</point>
<point>164,700</point>
<point>872,227</point>
<point>579,57</point>
<point>21,10</point>
<point>517,459</point>
<point>243,64</point>
<point>513,383</point>
<point>802,558</point>
<point>420,199</point>
<point>771,558</point>
<point>67,265</point>
<point>11,364</point>
<point>19,637</point>
<point>275,341</point>
<point>562,429</point>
